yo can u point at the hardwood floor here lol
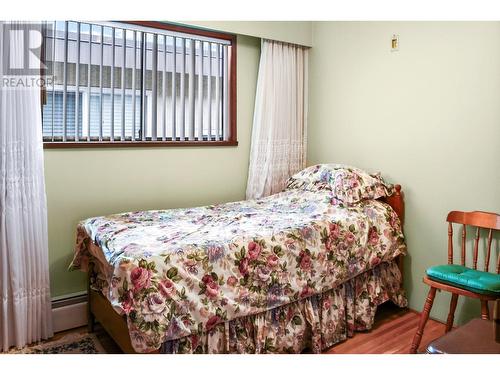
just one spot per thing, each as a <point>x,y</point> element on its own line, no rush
<point>392,333</point>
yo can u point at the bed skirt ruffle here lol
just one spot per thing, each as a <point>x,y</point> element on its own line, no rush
<point>315,323</point>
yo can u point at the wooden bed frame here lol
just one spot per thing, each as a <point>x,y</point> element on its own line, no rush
<point>100,309</point>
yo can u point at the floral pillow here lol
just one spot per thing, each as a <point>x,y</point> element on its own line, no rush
<point>348,184</point>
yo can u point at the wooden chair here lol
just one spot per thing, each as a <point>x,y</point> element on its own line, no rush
<point>461,280</point>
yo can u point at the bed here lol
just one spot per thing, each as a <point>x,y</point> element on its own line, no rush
<point>293,271</point>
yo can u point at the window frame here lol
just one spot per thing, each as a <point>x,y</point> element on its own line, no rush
<point>231,141</point>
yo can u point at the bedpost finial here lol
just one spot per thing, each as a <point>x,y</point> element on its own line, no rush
<point>398,188</point>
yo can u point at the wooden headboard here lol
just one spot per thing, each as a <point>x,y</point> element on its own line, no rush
<point>396,201</point>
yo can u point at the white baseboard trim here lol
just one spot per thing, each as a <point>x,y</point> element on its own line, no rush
<point>69,313</point>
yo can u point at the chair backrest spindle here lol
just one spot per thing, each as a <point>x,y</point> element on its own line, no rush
<point>464,229</point>
<point>450,243</point>
<point>490,238</point>
<point>476,248</point>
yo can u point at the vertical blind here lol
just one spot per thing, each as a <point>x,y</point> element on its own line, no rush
<point>114,81</point>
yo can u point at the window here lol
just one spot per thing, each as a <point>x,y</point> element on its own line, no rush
<point>138,83</point>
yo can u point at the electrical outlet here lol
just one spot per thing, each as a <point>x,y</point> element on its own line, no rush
<point>395,43</point>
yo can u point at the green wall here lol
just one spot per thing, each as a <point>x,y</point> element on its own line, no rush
<point>427,117</point>
<point>83,183</point>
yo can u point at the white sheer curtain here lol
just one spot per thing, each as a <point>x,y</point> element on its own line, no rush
<point>25,308</point>
<point>278,147</point>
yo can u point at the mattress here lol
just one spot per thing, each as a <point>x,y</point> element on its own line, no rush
<point>174,273</point>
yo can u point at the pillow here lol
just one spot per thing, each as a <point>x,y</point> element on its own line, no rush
<point>348,184</point>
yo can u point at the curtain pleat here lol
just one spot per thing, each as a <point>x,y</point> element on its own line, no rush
<point>25,308</point>
<point>280,118</point>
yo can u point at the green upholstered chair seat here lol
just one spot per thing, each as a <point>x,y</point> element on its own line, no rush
<point>466,278</point>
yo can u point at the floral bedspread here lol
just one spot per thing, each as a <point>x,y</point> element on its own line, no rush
<point>183,271</point>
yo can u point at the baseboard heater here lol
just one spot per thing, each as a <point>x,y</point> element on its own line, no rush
<point>69,312</point>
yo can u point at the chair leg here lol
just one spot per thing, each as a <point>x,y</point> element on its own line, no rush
<point>451,314</point>
<point>485,311</point>
<point>423,320</point>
